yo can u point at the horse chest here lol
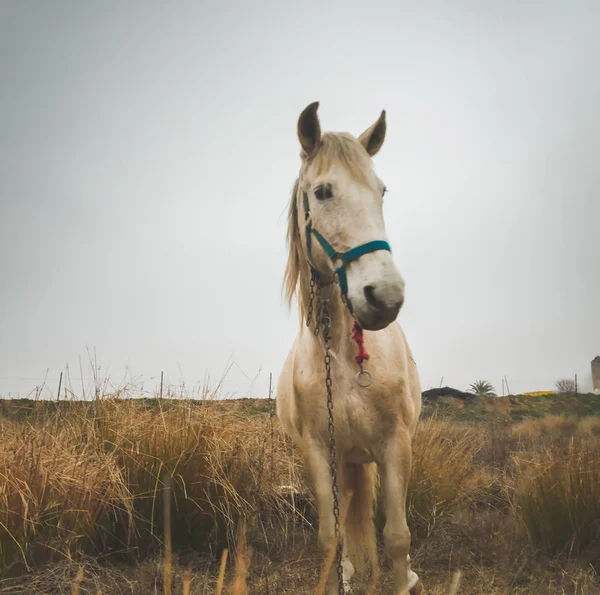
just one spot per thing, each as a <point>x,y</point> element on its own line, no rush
<point>362,428</point>
<point>359,416</point>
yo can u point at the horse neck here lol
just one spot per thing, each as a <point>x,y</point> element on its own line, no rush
<point>341,320</point>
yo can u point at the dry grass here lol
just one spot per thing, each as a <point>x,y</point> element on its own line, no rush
<point>443,475</point>
<point>121,496</point>
<point>558,498</point>
<point>92,480</point>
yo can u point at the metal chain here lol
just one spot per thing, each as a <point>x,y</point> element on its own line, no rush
<point>311,297</point>
<point>323,321</point>
<point>326,323</point>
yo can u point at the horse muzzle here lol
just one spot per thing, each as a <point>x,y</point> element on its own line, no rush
<point>379,306</point>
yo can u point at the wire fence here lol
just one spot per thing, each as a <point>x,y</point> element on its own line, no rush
<point>65,385</point>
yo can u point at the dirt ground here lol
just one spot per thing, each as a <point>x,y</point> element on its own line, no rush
<point>297,572</point>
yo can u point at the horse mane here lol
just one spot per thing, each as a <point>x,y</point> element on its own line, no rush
<point>336,148</point>
<point>296,262</point>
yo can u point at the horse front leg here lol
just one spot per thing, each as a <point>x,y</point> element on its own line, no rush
<point>316,459</point>
<point>395,472</point>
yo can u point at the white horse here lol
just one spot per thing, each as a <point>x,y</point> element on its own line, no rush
<point>336,231</point>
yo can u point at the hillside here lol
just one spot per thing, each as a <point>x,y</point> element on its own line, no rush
<point>446,403</point>
<point>452,404</point>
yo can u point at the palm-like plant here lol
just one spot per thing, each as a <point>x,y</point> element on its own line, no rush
<point>482,388</point>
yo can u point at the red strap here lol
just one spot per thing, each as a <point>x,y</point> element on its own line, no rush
<point>358,337</point>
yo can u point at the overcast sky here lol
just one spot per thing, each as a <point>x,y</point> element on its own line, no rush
<point>148,149</point>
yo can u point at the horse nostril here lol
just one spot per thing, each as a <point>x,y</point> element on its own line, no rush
<point>371,299</point>
<point>378,304</point>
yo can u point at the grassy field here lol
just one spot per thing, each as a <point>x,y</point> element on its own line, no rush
<point>505,490</point>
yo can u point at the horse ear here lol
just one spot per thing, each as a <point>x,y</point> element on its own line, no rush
<point>372,138</point>
<point>309,129</point>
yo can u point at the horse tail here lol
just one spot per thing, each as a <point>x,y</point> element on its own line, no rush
<point>360,530</point>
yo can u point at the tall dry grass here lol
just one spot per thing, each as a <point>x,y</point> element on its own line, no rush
<point>59,493</point>
<point>89,480</point>
<point>443,475</point>
<point>557,496</point>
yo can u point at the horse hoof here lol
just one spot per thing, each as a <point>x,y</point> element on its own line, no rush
<point>417,589</point>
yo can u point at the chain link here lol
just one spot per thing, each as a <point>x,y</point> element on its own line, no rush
<point>323,322</point>
<point>311,297</point>
<point>319,317</point>
<point>326,323</point>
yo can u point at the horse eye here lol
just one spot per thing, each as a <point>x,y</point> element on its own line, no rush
<point>324,192</point>
<point>384,190</point>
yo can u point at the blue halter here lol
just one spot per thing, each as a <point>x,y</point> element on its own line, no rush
<point>333,254</point>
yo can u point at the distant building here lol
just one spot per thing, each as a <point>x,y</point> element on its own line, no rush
<point>596,374</point>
